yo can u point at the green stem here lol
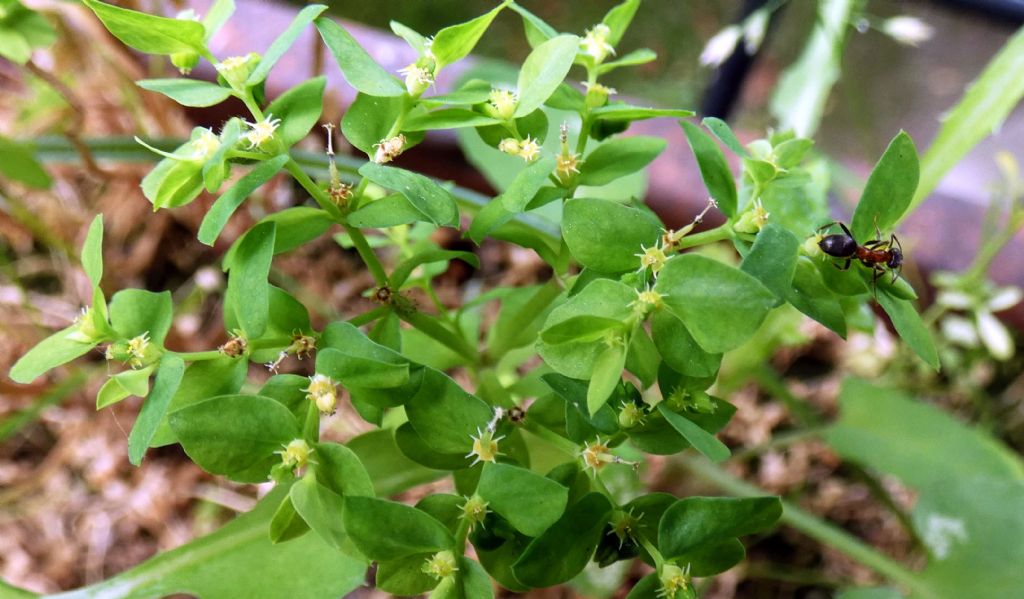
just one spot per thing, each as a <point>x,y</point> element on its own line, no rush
<point>551,437</point>
<point>659,560</point>
<point>816,528</point>
<point>199,356</point>
<point>311,428</point>
<point>368,316</point>
<point>460,536</point>
<point>719,233</point>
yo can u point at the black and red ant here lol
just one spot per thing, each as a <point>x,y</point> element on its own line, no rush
<point>878,254</point>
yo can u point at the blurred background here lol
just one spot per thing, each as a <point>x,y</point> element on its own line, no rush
<point>72,510</point>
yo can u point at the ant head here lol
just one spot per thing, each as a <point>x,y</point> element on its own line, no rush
<point>895,258</point>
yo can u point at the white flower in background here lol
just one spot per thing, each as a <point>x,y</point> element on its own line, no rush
<point>721,46</point>
<point>754,28</point>
<point>907,30</point>
<point>994,335</point>
<point>262,130</point>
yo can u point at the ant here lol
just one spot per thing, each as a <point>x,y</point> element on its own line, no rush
<point>877,254</point>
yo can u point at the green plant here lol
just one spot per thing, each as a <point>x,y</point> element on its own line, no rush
<point>532,448</point>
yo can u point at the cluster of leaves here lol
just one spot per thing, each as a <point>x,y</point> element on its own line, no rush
<point>528,448</point>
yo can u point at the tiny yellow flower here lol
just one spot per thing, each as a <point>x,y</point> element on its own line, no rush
<point>753,220</point>
<point>137,350</point>
<point>295,454</point>
<point>262,131</point>
<point>485,447</point>
<point>323,392</point>
<point>205,145</point>
<point>87,329</point>
<point>673,579</point>
<point>417,79</point>
<point>501,104</point>
<point>567,164</point>
<point>441,565</point>
<point>474,510</point>
<point>529,150</point>
<point>653,257</point>
<point>595,43</point>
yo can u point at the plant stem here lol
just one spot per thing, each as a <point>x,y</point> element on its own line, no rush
<point>815,528</point>
<point>719,233</point>
<point>199,356</point>
<point>368,316</point>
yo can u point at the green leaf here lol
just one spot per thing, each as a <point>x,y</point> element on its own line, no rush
<point>713,558</point>
<point>122,385</point>
<point>474,91</point>
<point>216,168</point>
<point>607,236</point>
<point>986,103</point>
<point>700,439</point>
<point>92,251</point>
<point>354,370</point>
<point>187,92</point>
<point>235,435</point>
<point>339,469</point>
<point>283,42</point>
<point>694,521</point>
<point>721,130</point>
<point>299,109</point>
<point>168,377</point>
<point>390,211</point>
<point>772,259</point>
<point>320,508</point>
<point>713,168</point>
<point>415,40</point>
<point>295,227</point>
<point>239,560</point>
<point>455,42</point>
<point>151,34</point>
<point>537,31</point>
<point>543,71</point>
<point>620,111</point>
<point>405,576</point>
<point>607,373</point>
<point>436,203</point>
<point>910,327</point>
<point>889,189</point>
<point>203,380</point>
<point>248,290</point>
<point>527,183</point>
<point>564,549</point>
<point>618,19</point>
<point>361,71</point>
<point>914,441</point>
<point>218,215</point>
<point>583,329</point>
<point>416,449</point>
<point>135,312</point>
<point>634,58</point>
<point>401,273</point>
<point>18,163</point>
<point>447,118</point>
<point>444,415</point>
<point>809,294</point>
<point>287,524</point>
<point>409,530</point>
<point>720,305</point>
<point>530,502</point>
<point>393,472</point>
<point>174,182</point>
<point>602,298</point>
<point>618,158</point>
<point>218,14</point>
<point>678,348</point>
<point>369,119</point>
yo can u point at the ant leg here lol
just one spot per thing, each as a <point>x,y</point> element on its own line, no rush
<point>845,266</point>
<point>847,231</point>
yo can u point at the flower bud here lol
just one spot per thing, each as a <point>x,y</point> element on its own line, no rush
<point>631,415</point>
<point>474,510</point>
<point>595,43</point>
<point>89,327</point>
<point>597,95</point>
<point>417,79</point>
<point>674,580</point>
<point>322,391</point>
<point>752,220</point>
<point>185,61</point>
